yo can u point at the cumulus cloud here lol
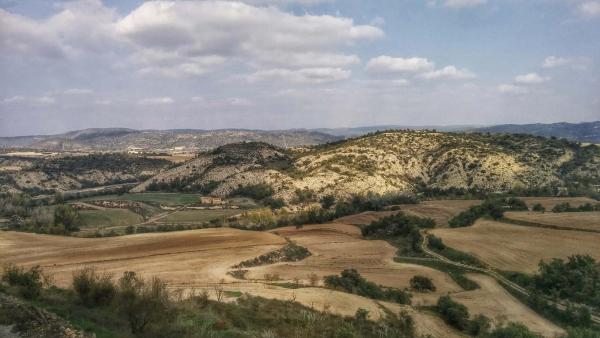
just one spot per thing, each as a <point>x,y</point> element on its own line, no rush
<point>589,9</point>
<point>190,33</point>
<point>449,72</point>
<point>531,78</point>
<point>156,101</point>
<point>417,66</point>
<point>305,75</point>
<point>457,3</point>
<point>554,61</point>
<point>388,64</point>
<point>512,89</point>
<point>36,100</point>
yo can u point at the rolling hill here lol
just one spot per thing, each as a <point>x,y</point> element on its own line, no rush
<point>407,161</point>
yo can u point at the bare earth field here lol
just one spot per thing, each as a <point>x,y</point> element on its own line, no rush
<point>518,248</point>
<point>550,202</point>
<point>498,304</point>
<point>578,220</point>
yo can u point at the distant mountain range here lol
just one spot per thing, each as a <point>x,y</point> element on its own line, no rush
<point>122,139</point>
<point>583,132</point>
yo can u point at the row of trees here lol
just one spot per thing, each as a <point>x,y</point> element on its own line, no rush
<point>352,282</point>
<point>494,207</point>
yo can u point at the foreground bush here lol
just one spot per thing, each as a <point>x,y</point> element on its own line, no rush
<point>93,289</point>
<point>28,283</point>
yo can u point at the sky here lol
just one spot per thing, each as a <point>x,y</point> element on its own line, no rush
<point>282,64</point>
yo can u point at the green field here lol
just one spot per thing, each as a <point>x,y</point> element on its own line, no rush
<point>198,216</point>
<point>108,218</point>
<point>170,199</point>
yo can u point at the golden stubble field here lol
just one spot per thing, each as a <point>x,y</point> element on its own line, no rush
<point>519,248</point>
<point>199,260</point>
<point>589,221</point>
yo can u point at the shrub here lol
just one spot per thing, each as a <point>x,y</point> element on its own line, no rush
<point>93,289</point>
<point>513,330</point>
<point>327,201</point>
<point>435,243</point>
<point>256,191</point>
<point>28,283</point>
<point>274,203</point>
<point>422,284</point>
<point>143,303</point>
<point>454,314</point>
<point>538,207</point>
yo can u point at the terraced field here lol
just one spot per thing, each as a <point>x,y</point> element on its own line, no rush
<point>99,219</point>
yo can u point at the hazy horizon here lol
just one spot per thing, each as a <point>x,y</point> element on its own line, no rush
<point>290,64</point>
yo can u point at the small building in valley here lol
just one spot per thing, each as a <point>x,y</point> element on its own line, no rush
<point>211,200</point>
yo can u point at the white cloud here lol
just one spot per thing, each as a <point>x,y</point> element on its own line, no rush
<point>554,61</point>
<point>169,34</point>
<point>305,75</point>
<point>239,102</point>
<point>387,64</point>
<point>457,3</point>
<point>103,102</point>
<point>78,91</point>
<point>421,67</point>
<point>512,89</point>
<point>449,72</point>
<point>39,100</point>
<point>531,78</point>
<point>156,100</point>
<point>589,9</point>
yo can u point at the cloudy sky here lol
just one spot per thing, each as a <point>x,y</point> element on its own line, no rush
<point>278,64</point>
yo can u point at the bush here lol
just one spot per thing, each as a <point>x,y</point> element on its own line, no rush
<point>143,303</point>
<point>422,284</point>
<point>513,330</point>
<point>93,289</point>
<point>435,243</point>
<point>274,203</point>
<point>454,314</point>
<point>28,283</point>
<point>538,207</point>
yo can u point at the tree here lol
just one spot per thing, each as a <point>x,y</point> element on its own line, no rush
<point>66,216</point>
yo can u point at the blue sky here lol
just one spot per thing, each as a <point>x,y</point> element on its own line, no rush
<point>278,64</point>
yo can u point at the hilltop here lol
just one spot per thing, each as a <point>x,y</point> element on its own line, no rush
<point>407,161</point>
<point>123,139</point>
<point>582,132</point>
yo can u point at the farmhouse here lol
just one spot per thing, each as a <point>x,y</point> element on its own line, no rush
<point>211,200</point>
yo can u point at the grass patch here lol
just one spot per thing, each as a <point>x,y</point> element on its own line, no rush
<point>456,273</point>
<point>108,218</point>
<point>198,216</point>
<point>155,198</point>
<point>233,294</point>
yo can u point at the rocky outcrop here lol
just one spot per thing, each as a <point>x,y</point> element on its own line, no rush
<point>18,319</point>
